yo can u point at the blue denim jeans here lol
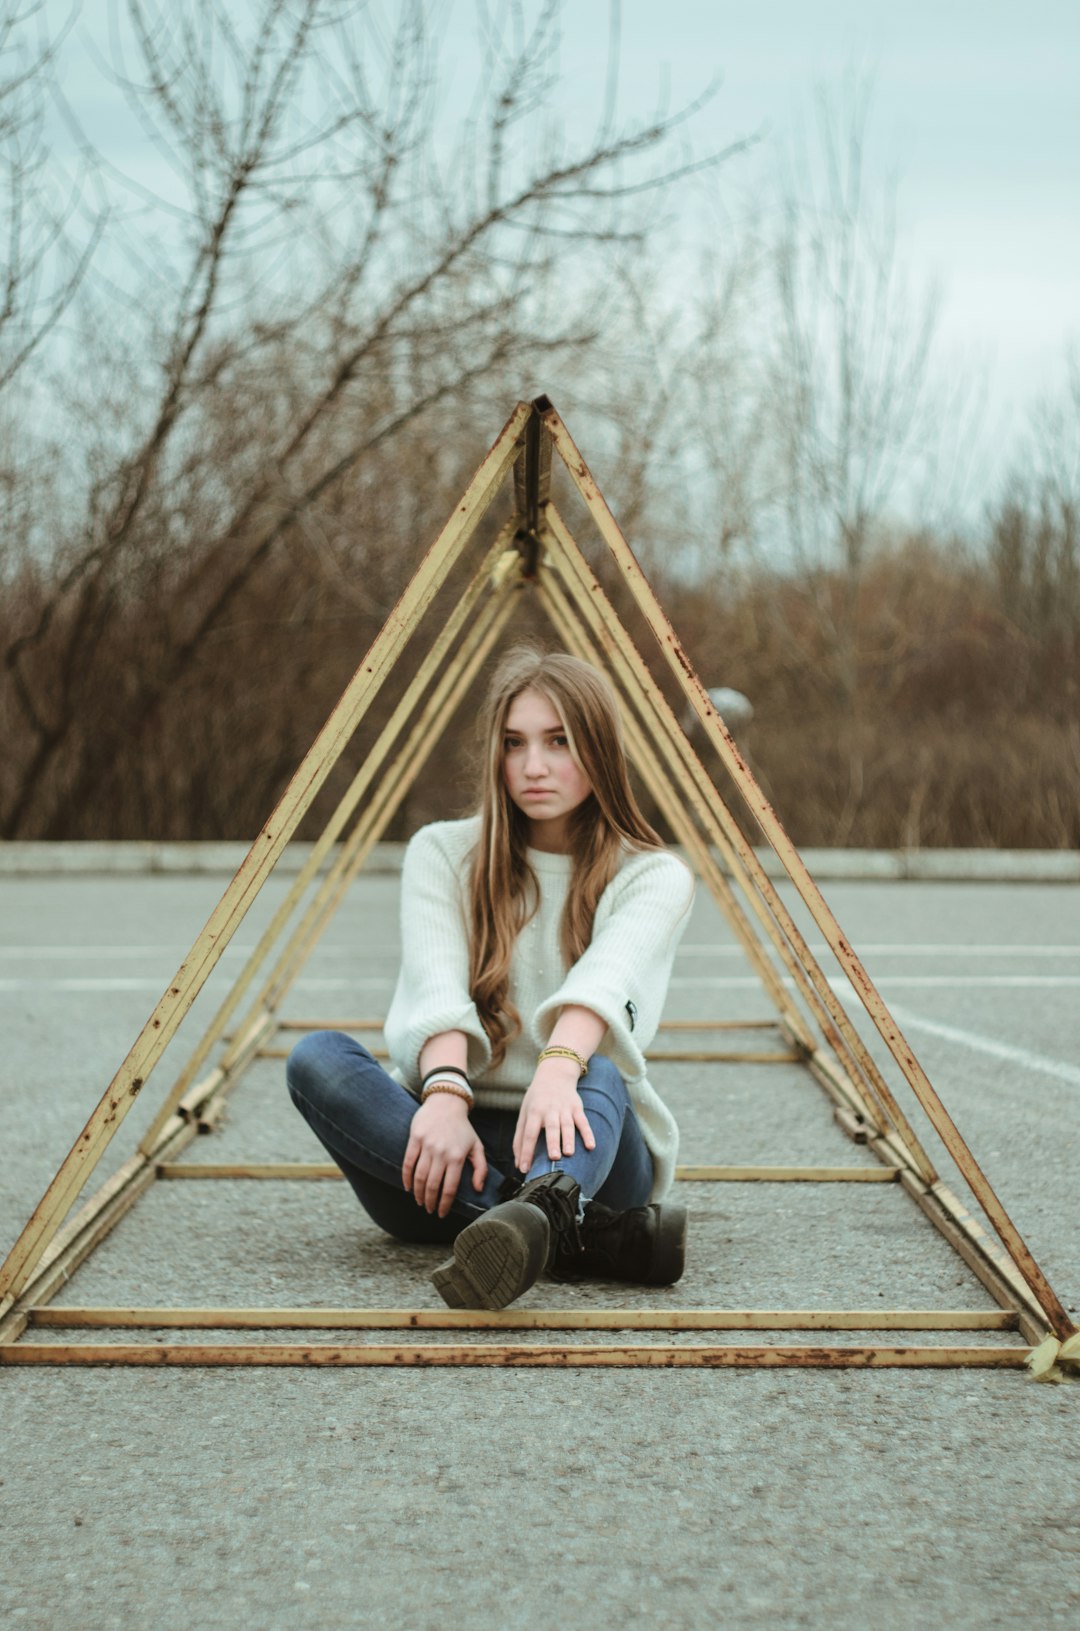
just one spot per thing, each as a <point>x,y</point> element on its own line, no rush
<point>362,1117</point>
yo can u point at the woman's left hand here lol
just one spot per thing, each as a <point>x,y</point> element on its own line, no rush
<point>552,1106</point>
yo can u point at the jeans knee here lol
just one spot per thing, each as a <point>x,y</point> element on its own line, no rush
<point>298,1067</point>
<point>306,1068</point>
<point>603,1077</point>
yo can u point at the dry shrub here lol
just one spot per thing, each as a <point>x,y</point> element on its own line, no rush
<point>945,746</point>
<point>963,732</point>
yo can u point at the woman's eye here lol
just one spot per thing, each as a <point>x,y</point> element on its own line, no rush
<point>560,741</point>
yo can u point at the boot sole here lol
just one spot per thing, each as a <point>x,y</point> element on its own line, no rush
<point>669,1256</point>
<point>495,1260</point>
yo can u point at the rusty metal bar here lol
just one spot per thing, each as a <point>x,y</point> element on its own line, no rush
<point>493,1354</point>
<point>718,1024</point>
<point>570,630</point>
<point>523,1319</point>
<point>444,699</point>
<point>330,1024</point>
<point>983,1255</point>
<point>267,1170</point>
<point>766,818</point>
<point>428,668</point>
<point>443,702</point>
<point>190,1105</point>
<point>409,758</point>
<point>683,1056</point>
<point>789,1175</point>
<point>665,1025</point>
<point>440,704</point>
<point>990,1264</point>
<point>72,1244</point>
<point>779,926</point>
<point>703,797</point>
<point>532,490</point>
<point>727,1056</point>
<point>316,765</point>
<point>263,1170</point>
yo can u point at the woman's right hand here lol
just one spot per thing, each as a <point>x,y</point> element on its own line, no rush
<point>441,1140</point>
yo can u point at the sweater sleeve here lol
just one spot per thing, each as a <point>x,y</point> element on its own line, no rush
<point>432,993</point>
<point>624,972</point>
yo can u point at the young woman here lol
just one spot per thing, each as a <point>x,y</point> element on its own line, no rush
<point>538,937</point>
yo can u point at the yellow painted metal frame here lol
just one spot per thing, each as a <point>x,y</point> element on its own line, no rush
<point>536,553</point>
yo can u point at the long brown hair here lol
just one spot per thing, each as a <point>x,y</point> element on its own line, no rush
<point>504,892</point>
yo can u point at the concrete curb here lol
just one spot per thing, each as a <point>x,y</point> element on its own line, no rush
<point>223,859</point>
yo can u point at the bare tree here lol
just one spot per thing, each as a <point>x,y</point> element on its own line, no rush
<point>46,249</point>
<point>1034,555</point>
<point>851,375</point>
<point>856,420</point>
<point>696,471</point>
<point>325,273</point>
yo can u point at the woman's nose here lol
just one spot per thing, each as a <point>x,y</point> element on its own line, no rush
<point>534,761</point>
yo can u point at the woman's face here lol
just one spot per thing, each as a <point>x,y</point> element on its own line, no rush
<point>542,776</point>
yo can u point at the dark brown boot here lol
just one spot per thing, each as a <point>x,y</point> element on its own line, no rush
<point>646,1245</point>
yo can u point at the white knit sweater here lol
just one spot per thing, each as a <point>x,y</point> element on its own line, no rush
<point>622,976</point>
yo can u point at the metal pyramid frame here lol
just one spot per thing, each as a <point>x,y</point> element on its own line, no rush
<point>533,553</point>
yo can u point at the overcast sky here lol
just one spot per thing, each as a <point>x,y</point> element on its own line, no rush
<point>976,112</point>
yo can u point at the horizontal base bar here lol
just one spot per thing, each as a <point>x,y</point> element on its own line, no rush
<point>499,1354</point>
<point>308,1170</point>
<point>665,1025</point>
<point>705,1174</point>
<point>787,1175</point>
<point>723,1056</point>
<point>679,1056</point>
<point>530,1319</point>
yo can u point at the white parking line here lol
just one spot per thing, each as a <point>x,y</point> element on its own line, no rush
<point>896,949</point>
<point>949,982</point>
<point>102,982</point>
<point>693,949</point>
<point>889,982</point>
<point>686,982</point>
<point>44,953</point>
<point>986,1044</point>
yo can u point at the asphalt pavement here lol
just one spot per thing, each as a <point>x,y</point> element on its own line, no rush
<point>483,1498</point>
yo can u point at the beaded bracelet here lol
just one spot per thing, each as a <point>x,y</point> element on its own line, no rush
<point>565,1053</point>
<point>453,1081</point>
<point>445,1086</point>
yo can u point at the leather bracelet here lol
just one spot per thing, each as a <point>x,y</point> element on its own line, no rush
<point>565,1053</point>
<point>443,1086</point>
<point>444,1070</point>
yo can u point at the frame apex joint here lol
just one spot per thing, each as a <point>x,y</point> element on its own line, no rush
<point>532,491</point>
